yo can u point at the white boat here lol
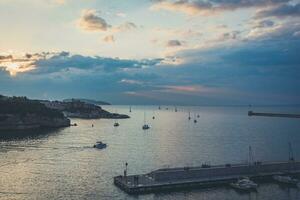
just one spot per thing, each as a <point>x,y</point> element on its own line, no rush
<point>286,179</point>
<point>244,184</point>
<point>100,145</point>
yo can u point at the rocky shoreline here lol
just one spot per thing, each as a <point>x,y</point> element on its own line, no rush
<point>79,109</point>
<point>20,113</point>
<point>31,121</point>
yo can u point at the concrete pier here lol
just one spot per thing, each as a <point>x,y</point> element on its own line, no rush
<point>204,176</point>
<point>251,113</point>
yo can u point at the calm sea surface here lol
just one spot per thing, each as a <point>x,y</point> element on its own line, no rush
<point>61,164</point>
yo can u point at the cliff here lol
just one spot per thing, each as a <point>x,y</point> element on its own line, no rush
<point>18,113</point>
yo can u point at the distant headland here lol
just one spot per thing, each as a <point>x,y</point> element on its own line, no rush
<point>20,113</point>
<point>75,108</point>
<point>96,102</point>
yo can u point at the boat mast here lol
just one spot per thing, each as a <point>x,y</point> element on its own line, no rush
<point>291,153</point>
<point>250,156</point>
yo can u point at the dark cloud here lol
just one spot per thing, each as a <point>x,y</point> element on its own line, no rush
<point>264,24</point>
<point>64,61</point>
<point>194,7</point>
<point>281,11</point>
<point>126,26</point>
<point>6,57</point>
<point>91,21</point>
<point>174,43</point>
<point>230,35</point>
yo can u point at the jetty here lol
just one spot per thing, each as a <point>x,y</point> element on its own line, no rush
<point>202,176</point>
<point>251,113</point>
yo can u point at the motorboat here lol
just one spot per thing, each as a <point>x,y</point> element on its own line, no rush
<point>244,184</point>
<point>145,127</point>
<point>100,145</point>
<point>286,179</point>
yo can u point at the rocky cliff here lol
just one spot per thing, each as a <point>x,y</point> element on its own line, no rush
<point>18,113</point>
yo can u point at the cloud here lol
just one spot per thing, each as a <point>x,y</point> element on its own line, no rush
<point>91,21</point>
<point>121,14</point>
<point>60,1</point>
<point>184,6</point>
<point>174,43</point>
<point>296,34</point>
<point>229,36</point>
<point>263,24</point>
<point>280,11</point>
<point>201,7</point>
<point>64,62</point>
<point>276,32</point>
<point>191,89</point>
<point>109,38</point>
<point>3,58</point>
<point>125,27</point>
<point>130,81</point>
<point>15,64</point>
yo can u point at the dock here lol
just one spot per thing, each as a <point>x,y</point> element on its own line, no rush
<point>251,113</point>
<point>202,176</point>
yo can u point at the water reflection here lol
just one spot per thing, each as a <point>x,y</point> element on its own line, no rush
<point>62,164</point>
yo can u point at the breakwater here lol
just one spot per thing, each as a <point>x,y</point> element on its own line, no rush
<point>203,176</point>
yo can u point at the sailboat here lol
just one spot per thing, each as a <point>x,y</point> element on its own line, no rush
<point>116,124</point>
<point>189,115</point>
<point>175,109</point>
<point>130,109</point>
<point>195,120</point>
<point>145,126</point>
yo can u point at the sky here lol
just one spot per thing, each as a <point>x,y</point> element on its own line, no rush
<point>176,52</point>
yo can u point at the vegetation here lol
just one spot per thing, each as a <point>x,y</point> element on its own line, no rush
<point>96,102</point>
<point>23,106</point>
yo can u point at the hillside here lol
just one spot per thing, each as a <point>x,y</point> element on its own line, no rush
<point>21,113</point>
<point>96,102</point>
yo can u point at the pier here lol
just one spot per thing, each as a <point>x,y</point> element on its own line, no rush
<point>203,176</point>
<point>251,113</point>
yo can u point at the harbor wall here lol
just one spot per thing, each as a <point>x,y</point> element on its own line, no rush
<point>215,172</point>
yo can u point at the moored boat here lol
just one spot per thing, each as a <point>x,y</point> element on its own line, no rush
<point>244,184</point>
<point>286,179</point>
